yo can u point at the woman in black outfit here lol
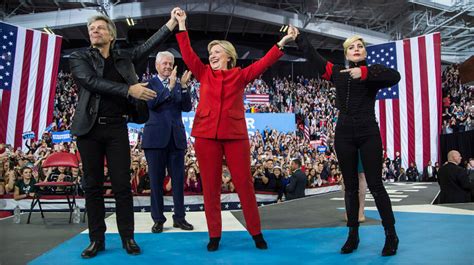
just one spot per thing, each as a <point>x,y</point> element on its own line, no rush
<point>356,89</point>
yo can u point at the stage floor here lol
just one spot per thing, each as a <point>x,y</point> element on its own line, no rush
<point>305,231</point>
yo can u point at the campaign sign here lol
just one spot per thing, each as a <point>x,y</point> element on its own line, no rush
<point>28,135</point>
<point>322,149</point>
<point>62,137</point>
<point>282,122</point>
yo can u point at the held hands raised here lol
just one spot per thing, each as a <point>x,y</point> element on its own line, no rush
<point>291,35</point>
<point>293,32</point>
<point>180,16</point>
<point>173,12</point>
<point>171,24</point>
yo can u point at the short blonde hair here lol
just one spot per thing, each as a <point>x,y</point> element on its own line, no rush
<point>351,40</point>
<point>228,48</point>
<point>110,26</point>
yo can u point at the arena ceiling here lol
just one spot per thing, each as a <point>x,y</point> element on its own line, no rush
<point>329,22</point>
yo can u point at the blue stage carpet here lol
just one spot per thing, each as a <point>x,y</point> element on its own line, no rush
<point>425,239</point>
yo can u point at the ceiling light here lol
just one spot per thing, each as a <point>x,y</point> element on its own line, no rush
<point>48,30</point>
<point>130,22</point>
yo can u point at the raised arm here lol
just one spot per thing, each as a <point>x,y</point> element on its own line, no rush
<point>257,68</point>
<point>321,65</point>
<point>190,58</point>
<point>141,52</point>
<point>252,71</point>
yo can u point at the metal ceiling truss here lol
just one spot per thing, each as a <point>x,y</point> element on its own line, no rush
<point>330,21</point>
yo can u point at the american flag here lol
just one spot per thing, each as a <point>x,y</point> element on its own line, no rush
<point>306,129</point>
<point>409,113</point>
<point>29,61</point>
<point>322,137</point>
<point>257,98</point>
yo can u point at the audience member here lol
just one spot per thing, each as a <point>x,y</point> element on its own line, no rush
<point>296,188</point>
<point>25,187</point>
<point>454,181</point>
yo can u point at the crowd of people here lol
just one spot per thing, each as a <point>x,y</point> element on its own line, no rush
<point>458,102</point>
<point>312,101</point>
<point>65,101</point>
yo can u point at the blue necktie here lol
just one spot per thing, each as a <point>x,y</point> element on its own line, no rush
<point>166,83</point>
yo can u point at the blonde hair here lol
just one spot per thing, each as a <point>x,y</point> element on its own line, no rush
<point>351,40</point>
<point>228,48</point>
<point>110,26</point>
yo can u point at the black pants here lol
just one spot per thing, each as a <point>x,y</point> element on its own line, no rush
<point>362,133</point>
<point>109,141</point>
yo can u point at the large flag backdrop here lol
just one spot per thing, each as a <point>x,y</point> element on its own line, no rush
<point>29,61</point>
<point>409,113</point>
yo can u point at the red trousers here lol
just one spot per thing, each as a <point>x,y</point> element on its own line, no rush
<point>209,153</point>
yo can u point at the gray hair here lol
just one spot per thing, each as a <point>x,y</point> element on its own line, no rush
<point>110,26</point>
<point>160,55</point>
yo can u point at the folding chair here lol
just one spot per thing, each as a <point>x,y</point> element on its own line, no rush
<point>59,159</point>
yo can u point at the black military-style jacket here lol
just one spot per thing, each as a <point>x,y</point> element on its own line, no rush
<point>354,97</point>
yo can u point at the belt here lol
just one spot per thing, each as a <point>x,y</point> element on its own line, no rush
<point>112,120</point>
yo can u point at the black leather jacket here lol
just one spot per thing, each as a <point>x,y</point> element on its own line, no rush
<point>87,68</point>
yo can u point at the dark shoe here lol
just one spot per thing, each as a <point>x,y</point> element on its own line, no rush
<point>92,249</point>
<point>260,242</point>
<point>131,246</point>
<point>213,244</point>
<point>391,242</point>
<point>183,225</point>
<point>352,241</point>
<point>157,227</point>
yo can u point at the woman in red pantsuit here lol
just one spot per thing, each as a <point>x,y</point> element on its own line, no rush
<point>220,128</point>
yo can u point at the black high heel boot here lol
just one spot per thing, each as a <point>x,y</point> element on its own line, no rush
<point>391,242</point>
<point>213,244</point>
<point>352,241</point>
<point>260,243</point>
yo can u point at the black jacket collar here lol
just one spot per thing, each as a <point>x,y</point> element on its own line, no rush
<point>358,64</point>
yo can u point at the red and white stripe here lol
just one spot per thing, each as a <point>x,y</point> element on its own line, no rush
<point>257,98</point>
<point>306,132</point>
<point>411,124</point>
<point>30,103</point>
<point>322,137</point>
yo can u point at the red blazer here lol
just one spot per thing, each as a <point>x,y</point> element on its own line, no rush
<point>220,113</point>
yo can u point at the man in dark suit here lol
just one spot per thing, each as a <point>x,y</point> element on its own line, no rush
<point>397,162</point>
<point>164,140</point>
<point>429,172</point>
<point>109,97</point>
<point>295,189</point>
<point>454,181</point>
